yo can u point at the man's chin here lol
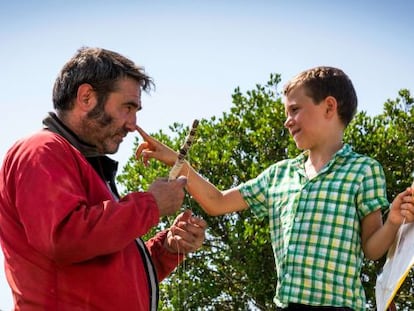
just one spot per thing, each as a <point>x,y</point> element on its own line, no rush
<point>111,149</point>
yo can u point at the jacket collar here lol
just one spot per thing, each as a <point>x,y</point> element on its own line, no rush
<point>55,125</point>
<point>103,165</point>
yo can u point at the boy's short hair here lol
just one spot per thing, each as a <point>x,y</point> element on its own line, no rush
<point>321,82</point>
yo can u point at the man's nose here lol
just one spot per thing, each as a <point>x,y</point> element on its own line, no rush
<point>131,123</point>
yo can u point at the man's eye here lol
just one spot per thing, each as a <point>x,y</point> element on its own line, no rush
<point>130,108</point>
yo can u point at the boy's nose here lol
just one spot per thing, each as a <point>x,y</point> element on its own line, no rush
<point>288,123</point>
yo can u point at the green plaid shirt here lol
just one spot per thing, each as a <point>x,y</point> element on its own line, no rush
<point>315,225</point>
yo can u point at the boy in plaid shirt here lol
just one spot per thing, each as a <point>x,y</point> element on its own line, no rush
<point>324,206</point>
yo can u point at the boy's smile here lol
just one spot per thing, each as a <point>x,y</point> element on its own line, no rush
<point>303,119</point>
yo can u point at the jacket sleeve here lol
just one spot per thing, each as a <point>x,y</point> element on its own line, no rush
<point>67,212</point>
<point>164,261</point>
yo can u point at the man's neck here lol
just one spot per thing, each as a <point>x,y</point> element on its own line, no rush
<point>53,123</point>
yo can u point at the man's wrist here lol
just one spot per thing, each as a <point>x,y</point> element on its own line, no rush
<point>167,245</point>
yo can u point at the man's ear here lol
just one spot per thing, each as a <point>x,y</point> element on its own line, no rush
<point>331,106</point>
<point>86,97</point>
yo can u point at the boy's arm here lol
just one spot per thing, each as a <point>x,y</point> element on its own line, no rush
<point>212,200</point>
<point>377,237</point>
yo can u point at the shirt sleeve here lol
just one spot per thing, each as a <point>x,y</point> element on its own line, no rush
<point>254,192</point>
<point>164,261</point>
<point>372,193</point>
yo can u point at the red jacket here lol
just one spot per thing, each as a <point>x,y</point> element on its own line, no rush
<point>68,245</point>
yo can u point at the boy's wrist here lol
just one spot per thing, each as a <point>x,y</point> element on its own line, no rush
<point>185,169</point>
<point>391,225</point>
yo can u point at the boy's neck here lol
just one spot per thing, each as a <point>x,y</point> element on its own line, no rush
<point>318,158</point>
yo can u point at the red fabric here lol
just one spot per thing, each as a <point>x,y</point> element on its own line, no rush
<point>67,244</point>
<point>165,262</point>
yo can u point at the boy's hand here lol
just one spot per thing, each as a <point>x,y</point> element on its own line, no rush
<point>152,148</point>
<point>402,207</point>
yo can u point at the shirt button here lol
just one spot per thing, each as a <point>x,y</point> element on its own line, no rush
<point>287,276</point>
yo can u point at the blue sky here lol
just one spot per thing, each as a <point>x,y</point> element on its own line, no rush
<point>198,52</point>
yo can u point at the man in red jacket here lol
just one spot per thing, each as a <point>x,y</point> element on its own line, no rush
<point>70,241</point>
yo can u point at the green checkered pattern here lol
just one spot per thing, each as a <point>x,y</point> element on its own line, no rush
<point>315,225</point>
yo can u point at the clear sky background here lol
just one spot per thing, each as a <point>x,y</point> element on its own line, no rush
<point>198,52</point>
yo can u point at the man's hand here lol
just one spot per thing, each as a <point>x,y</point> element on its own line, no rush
<point>169,195</point>
<point>186,235</point>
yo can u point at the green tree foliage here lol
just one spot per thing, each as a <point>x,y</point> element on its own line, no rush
<point>235,268</point>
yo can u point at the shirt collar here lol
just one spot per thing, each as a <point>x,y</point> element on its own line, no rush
<point>340,155</point>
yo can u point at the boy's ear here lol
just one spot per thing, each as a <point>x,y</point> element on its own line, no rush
<point>331,106</point>
<point>86,97</point>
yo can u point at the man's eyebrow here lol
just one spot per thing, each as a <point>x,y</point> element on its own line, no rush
<point>134,104</point>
